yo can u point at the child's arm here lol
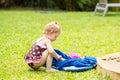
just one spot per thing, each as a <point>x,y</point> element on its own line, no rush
<point>52,52</point>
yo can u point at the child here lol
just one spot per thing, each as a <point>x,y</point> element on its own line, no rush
<point>42,51</point>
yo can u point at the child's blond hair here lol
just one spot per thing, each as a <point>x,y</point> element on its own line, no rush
<point>52,27</point>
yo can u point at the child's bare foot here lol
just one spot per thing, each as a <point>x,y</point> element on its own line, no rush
<point>52,70</point>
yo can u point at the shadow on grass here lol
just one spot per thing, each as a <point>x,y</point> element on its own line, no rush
<point>111,14</point>
<point>36,71</point>
<point>50,11</point>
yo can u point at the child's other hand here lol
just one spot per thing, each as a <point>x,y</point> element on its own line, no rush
<point>61,58</point>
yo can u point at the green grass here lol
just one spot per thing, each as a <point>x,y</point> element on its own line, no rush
<point>82,32</point>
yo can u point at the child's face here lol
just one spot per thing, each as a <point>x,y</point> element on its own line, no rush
<point>53,36</point>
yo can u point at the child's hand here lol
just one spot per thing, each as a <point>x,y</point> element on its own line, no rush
<point>61,58</point>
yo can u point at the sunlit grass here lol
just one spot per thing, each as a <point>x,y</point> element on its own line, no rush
<point>82,32</point>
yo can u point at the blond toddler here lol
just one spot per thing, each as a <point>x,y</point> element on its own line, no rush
<point>42,51</point>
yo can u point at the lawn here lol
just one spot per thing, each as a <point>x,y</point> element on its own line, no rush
<point>82,32</point>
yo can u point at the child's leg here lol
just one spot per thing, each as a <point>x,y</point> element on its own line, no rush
<point>46,58</point>
<point>49,64</point>
<point>42,62</point>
